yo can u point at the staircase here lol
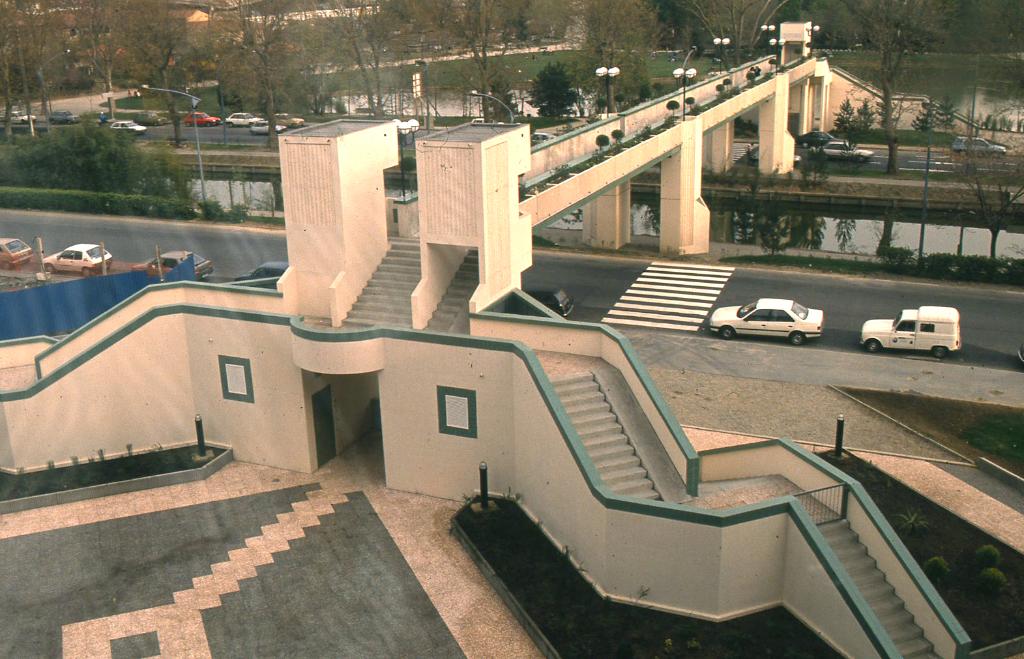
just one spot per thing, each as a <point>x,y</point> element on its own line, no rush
<point>898,622</point>
<point>603,437</point>
<point>386,298</point>
<point>452,315</point>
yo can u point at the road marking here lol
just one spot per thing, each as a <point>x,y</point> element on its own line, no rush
<point>670,295</point>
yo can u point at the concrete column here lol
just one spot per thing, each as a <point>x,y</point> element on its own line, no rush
<point>719,156</point>
<point>607,220</point>
<point>806,107</point>
<point>823,120</point>
<point>685,219</point>
<point>776,145</point>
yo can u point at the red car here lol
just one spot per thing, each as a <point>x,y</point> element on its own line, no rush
<point>201,119</point>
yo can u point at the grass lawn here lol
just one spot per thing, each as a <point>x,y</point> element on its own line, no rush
<point>816,263</point>
<point>579,623</point>
<point>973,429</point>
<point>987,619</point>
<point>940,140</point>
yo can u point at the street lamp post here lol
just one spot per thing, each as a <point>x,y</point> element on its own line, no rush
<point>721,43</point>
<point>607,72</point>
<point>811,32</point>
<point>778,51</point>
<point>425,65</point>
<point>511,114</point>
<point>768,30</point>
<point>195,124</point>
<point>929,110</point>
<point>47,110</point>
<point>405,128</point>
<point>683,75</point>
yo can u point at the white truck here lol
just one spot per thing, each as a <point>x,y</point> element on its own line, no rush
<point>935,329</point>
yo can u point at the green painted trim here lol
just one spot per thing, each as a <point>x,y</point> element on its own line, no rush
<point>253,283</point>
<point>527,300</point>
<point>223,361</point>
<point>443,426</point>
<point>564,137</point>
<point>39,338</point>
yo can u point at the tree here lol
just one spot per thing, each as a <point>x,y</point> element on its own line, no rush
<point>998,197</point>
<point>617,33</point>
<point>896,28</point>
<point>100,29</point>
<point>926,118</point>
<point>853,124</point>
<point>845,118</point>
<point>740,20</point>
<point>552,92</point>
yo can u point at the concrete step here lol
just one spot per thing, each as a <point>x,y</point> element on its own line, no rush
<point>606,456</point>
<point>580,392</point>
<point>624,474</point>
<point>380,303</point>
<point>895,619</point>
<point>569,381</point>
<point>403,267</point>
<point>603,440</point>
<point>858,562</point>
<point>381,277</point>
<point>596,431</point>
<point>643,490</point>
<point>381,318</point>
<point>915,647</point>
<point>617,461</point>
<point>583,407</point>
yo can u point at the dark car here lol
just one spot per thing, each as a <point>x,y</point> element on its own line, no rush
<point>171,260</point>
<point>151,118</point>
<point>813,139</point>
<point>555,299</point>
<point>265,270</point>
<point>63,117</point>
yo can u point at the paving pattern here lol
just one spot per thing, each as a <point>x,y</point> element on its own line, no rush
<point>670,296</point>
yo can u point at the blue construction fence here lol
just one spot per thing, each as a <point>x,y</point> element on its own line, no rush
<point>64,307</point>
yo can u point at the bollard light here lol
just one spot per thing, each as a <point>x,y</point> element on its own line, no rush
<point>840,429</point>
<point>200,436</point>
<point>484,503</point>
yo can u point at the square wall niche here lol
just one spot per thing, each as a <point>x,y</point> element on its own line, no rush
<point>456,412</point>
<point>236,378</point>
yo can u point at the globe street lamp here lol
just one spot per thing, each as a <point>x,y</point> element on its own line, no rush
<point>405,128</point>
<point>195,124</point>
<point>722,43</point>
<point>683,75</point>
<point>768,30</point>
<point>777,45</point>
<point>608,73</point>
<point>812,30</point>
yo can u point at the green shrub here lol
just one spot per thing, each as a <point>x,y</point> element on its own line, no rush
<point>939,266</point>
<point>912,522</point>
<point>602,141</point>
<point>105,203</point>
<point>237,213</point>
<point>211,210</point>
<point>897,259</point>
<point>977,268</point>
<point>991,581</point>
<point>936,568</point>
<point>1012,272</point>
<point>987,556</point>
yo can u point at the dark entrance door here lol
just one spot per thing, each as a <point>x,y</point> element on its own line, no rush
<point>323,426</point>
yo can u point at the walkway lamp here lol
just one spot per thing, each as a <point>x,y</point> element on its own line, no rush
<point>721,43</point>
<point>683,76</point>
<point>47,109</point>
<point>405,129</point>
<point>511,114</point>
<point>607,73</point>
<point>812,31</point>
<point>195,124</point>
<point>777,45</point>
<point>768,31</point>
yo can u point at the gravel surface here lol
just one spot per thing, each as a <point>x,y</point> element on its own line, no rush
<point>782,409</point>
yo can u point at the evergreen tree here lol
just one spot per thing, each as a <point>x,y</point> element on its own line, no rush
<point>844,119</point>
<point>553,93</point>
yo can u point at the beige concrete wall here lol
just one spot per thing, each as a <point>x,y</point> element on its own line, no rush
<point>776,146</point>
<point>845,87</point>
<point>408,214</point>
<point>438,264</point>
<point>21,352</point>
<point>763,461</point>
<point>810,595</point>
<point>685,218</point>
<point>342,358</point>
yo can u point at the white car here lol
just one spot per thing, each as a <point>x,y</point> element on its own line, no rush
<point>83,258</point>
<point>843,150</point>
<point>239,119</point>
<point>769,317</point>
<point>262,126</point>
<point>20,117</point>
<point>128,127</point>
<point>934,329</point>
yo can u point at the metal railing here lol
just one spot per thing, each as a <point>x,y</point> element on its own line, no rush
<point>826,504</point>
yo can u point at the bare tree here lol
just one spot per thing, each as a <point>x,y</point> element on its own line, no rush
<point>101,30</point>
<point>999,198</point>
<point>740,20</point>
<point>618,33</point>
<point>7,63</point>
<point>896,28</point>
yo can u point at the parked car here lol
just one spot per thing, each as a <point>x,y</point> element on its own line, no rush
<point>769,317</point>
<point>265,270</point>
<point>21,117</point>
<point>815,138</point>
<point>128,127</point>
<point>843,150</point>
<point>935,329</point>
<point>262,126</point>
<point>201,119</point>
<point>753,154</point>
<point>13,253</point>
<point>83,258</point>
<point>289,120</point>
<point>171,260</point>
<point>555,299</point>
<point>63,117</point>
<point>151,118</point>
<point>978,145</point>
<point>240,119</point>
<point>539,137</point>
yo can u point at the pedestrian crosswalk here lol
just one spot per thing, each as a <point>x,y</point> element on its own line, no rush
<point>740,150</point>
<point>670,295</point>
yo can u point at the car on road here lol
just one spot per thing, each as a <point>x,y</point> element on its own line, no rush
<point>13,253</point>
<point>84,258</point>
<point>289,120</point>
<point>239,119</point>
<point>128,127</point>
<point>151,118</point>
<point>978,145</point>
<point>815,138</point>
<point>555,299</point>
<point>540,137</point>
<point>171,260</point>
<point>933,329</point>
<point>20,117</point>
<point>265,270</point>
<point>843,150</point>
<point>769,317</point>
<point>64,117</point>
<point>201,119</point>
<point>262,127</point>
<point>753,154</point>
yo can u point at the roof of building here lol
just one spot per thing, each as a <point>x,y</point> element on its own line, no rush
<point>473,132</point>
<point>338,128</point>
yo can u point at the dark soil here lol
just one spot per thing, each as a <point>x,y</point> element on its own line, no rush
<point>16,486</point>
<point>579,623</point>
<point>964,426</point>
<point>986,619</point>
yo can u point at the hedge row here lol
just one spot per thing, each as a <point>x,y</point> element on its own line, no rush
<point>953,267</point>
<point>104,203</point>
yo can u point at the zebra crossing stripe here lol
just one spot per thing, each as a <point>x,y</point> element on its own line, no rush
<point>669,295</point>
<point>687,266</point>
<point>688,284</point>
<point>644,323</point>
<point>641,290</point>
<point>675,274</point>
<point>658,287</point>
<point>665,301</point>
<point>647,307</point>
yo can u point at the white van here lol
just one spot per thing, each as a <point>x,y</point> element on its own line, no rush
<point>936,329</point>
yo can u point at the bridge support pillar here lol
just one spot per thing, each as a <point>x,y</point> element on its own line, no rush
<point>685,219</point>
<point>607,219</point>
<point>806,107</point>
<point>776,145</point>
<point>822,120</point>
<point>718,157</point>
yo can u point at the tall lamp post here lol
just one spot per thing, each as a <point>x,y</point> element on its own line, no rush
<point>47,110</point>
<point>768,30</point>
<point>721,43</point>
<point>405,128</point>
<point>777,45</point>
<point>812,31</point>
<point>195,124</point>
<point>929,113</point>
<point>425,65</point>
<point>683,75</point>
<point>511,114</point>
<point>607,72</point>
